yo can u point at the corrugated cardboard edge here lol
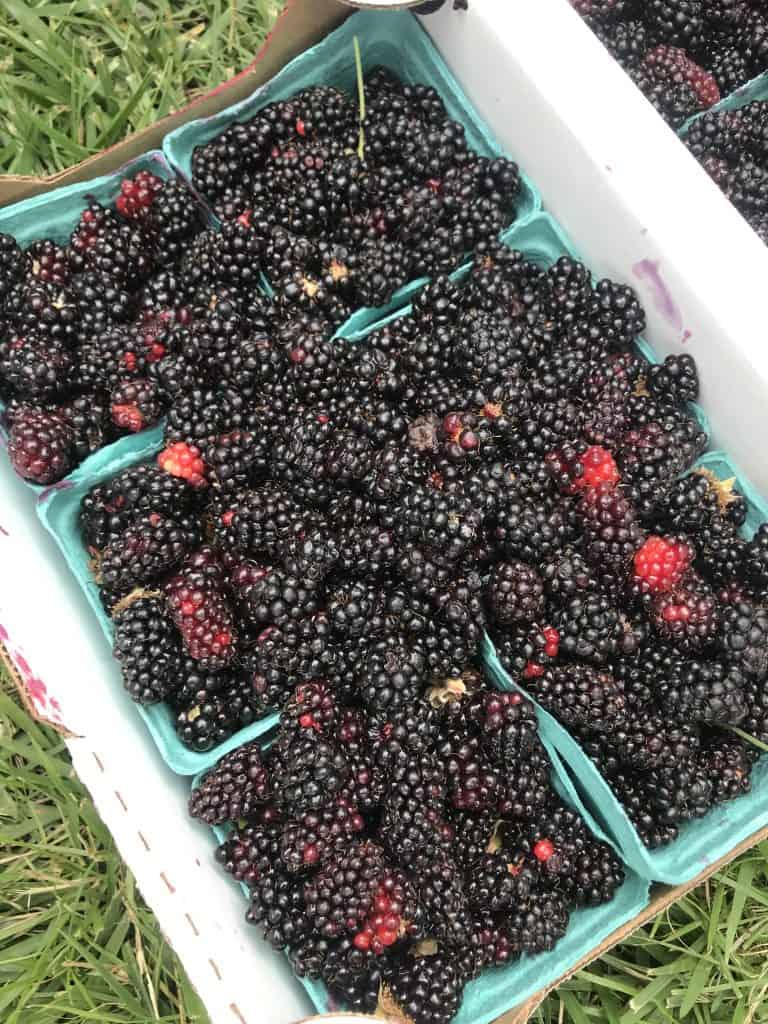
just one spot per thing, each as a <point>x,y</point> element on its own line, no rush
<point>9,665</point>
<point>301,24</point>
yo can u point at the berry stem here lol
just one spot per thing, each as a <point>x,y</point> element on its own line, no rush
<point>360,97</point>
<point>753,740</point>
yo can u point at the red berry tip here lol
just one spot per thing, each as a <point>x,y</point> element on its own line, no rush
<point>543,850</point>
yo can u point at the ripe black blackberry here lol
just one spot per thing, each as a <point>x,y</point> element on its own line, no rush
<point>307,774</point>
<point>527,786</point>
<point>11,265</point>
<point>234,789</point>
<point>312,706</point>
<point>354,976</point>
<point>507,725</point>
<point>568,856</point>
<point>676,379</point>
<point>339,897</point>
<point>46,310</point>
<point>744,636</point>
<point>695,502</point>
<point>251,851</point>
<point>108,358</point>
<point>108,508</point>
<point>148,649</point>
<point>393,673</point>
<point>567,575</point>
<point>355,609</point>
<point>152,545</point>
<point>446,522</point>
<point>610,528</point>
<point>315,837</point>
<point>198,415</point>
<point>89,419</point>
<point>198,685</point>
<point>656,453</point>
<point>486,346</point>
<point>298,459</point>
<point>756,559</point>
<point>532,531</point>
<point>426,990</point>
<point>258,522</point>
<point>278,908</point>
<point>441,890</point>
<point>282,658</point>
<point>688,616</point>
<point>497,884</point>
<point>201,726</point>
<point>35,370</point>
<point>538,927</point>
<point>651,822</point>
<point>727,760</point>
<point>702,690</point>
<point>348,458</point>
<point>235,460</point>
<point>308,957</point>
<point>581,695</point>
<point>677,22</point>
<point>400,733</point>
<point>278,597</point>
<point>675,100</point>
<point>473,783</point>
<point>515,593</point>
<point>649,740</point>
<point>311,555</point>
<point>590,628</point>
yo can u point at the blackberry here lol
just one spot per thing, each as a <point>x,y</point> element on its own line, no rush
<point>538,927</point>
<point>515,593</point>
<point>108,358</point>
<point>532,532</point>
<point>309,956</point>
<point>298,459</point>
<point>234,789</point>
<point>203,617</point>
<point>277,597</point>
<point>496,885</point>
<point>153,544</point>
<point>652,823</point>
<point>697,501</point>
<point>703,691</point>
<point>653,454</point>
<point>582,868</point>
<point>352,608</point>
<point>448,523</point>
<point>198,685</point>
<point>35,370</point>
<point>250,852</point>
<point>581,695</point>
<point>473,783</point>
<point>649,741</point>
<point>40,445</point>
<point>203,725</point>
<point>726,760</point>
<point>135,405</point>
<point>281,658</point>
<point>756,558</point>
<point>317,836</point>
<point>340,896</point>
<point>687,617</point>
<point>397,734</point>
<point>11,265</point>
<point>148,649</point>
<point>673,98</point>
<point>259,521</point>
<point>527,650</point>
<point>312,555</point>
<point>474,837</point>
<point>235,460</point>
<point>610,527</point>
<point>677,22</point>
<point>353,976</point>
<point>743,635</point>
<point>88,417</point>
<point>197,416</point>
<point>392,674</point>
<point>312,706</point>
<point>277,906</point>
<point>756,722</point>
<point>307,774</point>
<point>527,786</point>
<point>676,379</point>
<point>108,508</point>
<point>590,629</point>
<point>426,990</point>
<point>508,726</point>
<point>566,576</point>
<point>441,891</point>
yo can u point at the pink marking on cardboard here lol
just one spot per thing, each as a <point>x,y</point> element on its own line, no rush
<point>686,336</point>
<point>648,272</point>
<point>3,633</point>
<point>4,532</point>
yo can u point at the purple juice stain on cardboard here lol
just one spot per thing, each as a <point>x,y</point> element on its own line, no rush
<point>648,272</point>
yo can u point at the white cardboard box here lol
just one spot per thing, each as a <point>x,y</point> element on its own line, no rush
<point>639,209</point>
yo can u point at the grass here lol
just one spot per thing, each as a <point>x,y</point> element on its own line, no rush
<point>77,943</point>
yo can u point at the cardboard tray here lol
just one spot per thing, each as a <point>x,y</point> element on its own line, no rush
<point>638,207</point>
